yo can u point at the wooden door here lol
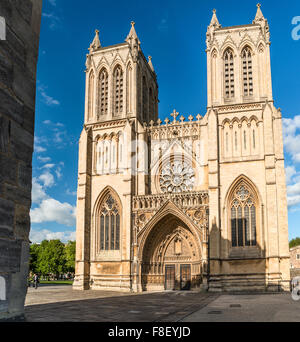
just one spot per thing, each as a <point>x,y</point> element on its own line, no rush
<point>170,277</point>
<point>185,277</point>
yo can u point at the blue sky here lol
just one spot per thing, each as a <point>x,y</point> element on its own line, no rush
<point>173,33</point>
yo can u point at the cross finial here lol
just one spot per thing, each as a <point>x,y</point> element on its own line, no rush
<point>258,5</point>
<point>214,11</point>
<point>174,115</point>
<point>132,23</point>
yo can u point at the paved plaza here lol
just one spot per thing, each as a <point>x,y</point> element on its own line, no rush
<point>62,304</point>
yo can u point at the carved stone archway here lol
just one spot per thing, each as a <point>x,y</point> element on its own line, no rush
<point>171,245</point>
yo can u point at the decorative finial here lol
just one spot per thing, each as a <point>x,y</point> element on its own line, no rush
<point>259,18</point>
<point>95,43</point>
<point>150,63</point>
<point>214,20</point>
<point>132,36</point>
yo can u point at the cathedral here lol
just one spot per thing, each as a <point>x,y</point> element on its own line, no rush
<point>190,203</point>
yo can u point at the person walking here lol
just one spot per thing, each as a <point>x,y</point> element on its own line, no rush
<point>36,281</point>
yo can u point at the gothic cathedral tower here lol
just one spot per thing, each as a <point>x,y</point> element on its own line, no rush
<point>249,226</point>
<point>121,95</point>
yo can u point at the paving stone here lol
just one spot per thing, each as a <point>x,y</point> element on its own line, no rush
<point>63,304</point>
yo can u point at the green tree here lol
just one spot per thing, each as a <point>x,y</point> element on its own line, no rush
<point>70,250</point>
<point>33,259</point>
<point>51,258</point>
<point>295,242</point>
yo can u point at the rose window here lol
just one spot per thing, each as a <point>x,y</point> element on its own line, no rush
<point>177,177</point>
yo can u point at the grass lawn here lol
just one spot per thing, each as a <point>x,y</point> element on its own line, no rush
<point>57,282</point>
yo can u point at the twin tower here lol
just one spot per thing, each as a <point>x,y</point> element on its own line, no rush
<point>191,203</point>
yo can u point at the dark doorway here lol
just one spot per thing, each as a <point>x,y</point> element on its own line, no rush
<point>170,277</point>
<point>185,277</point>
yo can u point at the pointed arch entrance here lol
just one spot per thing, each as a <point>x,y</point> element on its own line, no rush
<point>171,257</point>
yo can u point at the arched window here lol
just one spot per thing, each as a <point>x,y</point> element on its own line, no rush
<point>243,217</point>
<point>91,96</point>
<point>229,74</point>
<point>247,72</point>
<point>118,90</point>
<point>103,93</point>
<point>109,224</point>
<point>151,104</point>
<point>145,100</point>
<point>129,88</point>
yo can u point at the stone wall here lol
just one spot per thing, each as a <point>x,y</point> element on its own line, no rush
<point>18,62</point>
<point>294,254</point>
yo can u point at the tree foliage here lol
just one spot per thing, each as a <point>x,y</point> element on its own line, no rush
<point>295,242</point>
<point>52,257</point>
<point>70,251</point>
<point>33,260</point>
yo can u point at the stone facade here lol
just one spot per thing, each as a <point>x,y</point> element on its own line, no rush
<point>197,202</point>
<point>18,62</point>
<point>295,261</point>
<point>295,257</point>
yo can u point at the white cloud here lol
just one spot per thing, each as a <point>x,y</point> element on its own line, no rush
<point>39,149</point>
<point>39,235</point>
<point>58,173</point>
<point>38,193</point>
<point>291,137</point>
<point>51,210</point>
<point>58,170</point>
<point>44,159</point>
<point>48,166</point>
<point>54,21</point>
<point>48,100</point>
<point>38,141</point>
<point>294,190</point>
<point>293,201</point>
<point>290,172</point>
<point>71,193</point>
<point>58,137</point>
<point>47,179</point>
<point>50,123</point>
